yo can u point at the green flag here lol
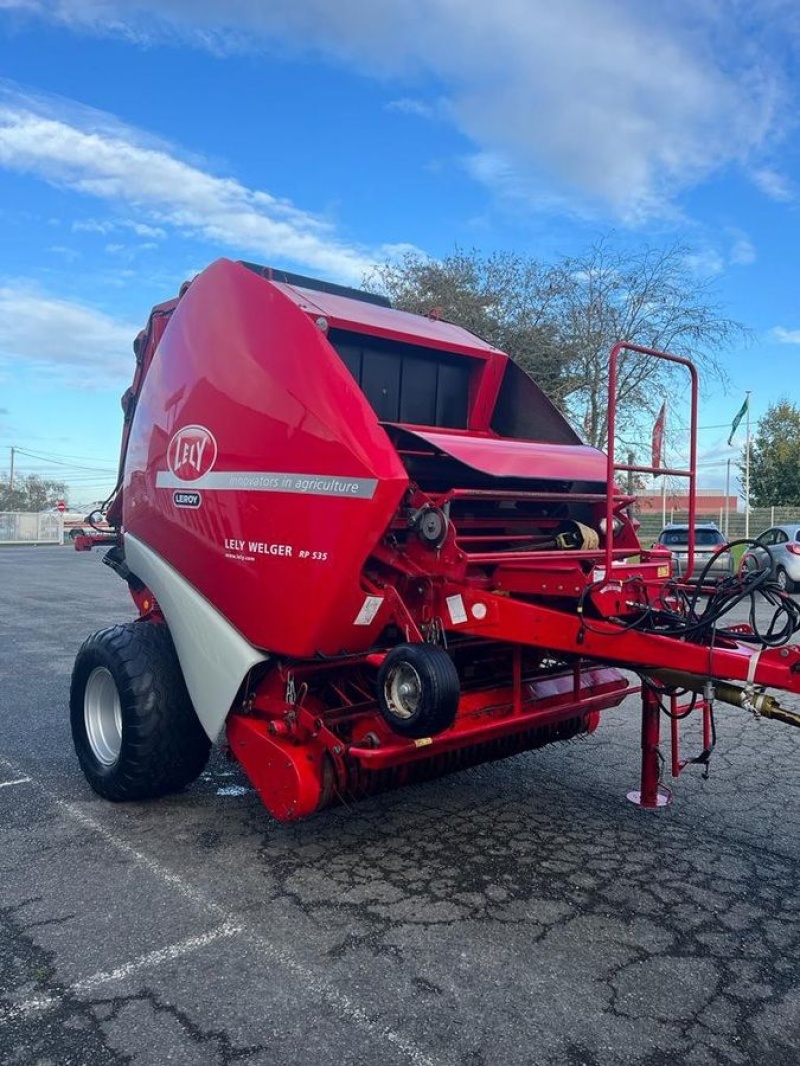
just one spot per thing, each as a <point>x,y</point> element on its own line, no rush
<point>739,416</point>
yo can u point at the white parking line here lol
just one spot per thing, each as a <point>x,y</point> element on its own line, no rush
<point>344,1006</point>
<point>144,962</point>
<point>18,781</point>
<point>30,1006</point>
<point>190,893</point>
<point>341,1003</point>
<point>155,958</point>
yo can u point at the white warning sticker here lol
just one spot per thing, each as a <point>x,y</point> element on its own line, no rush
<point>370,607</point>
<point>458,613</point>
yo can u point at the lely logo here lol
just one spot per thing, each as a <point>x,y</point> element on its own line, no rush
<point>192,453</point>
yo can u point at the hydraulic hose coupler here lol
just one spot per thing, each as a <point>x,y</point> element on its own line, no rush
<point>758,703</point>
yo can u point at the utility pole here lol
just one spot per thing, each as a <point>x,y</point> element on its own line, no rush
<point>11,473</point>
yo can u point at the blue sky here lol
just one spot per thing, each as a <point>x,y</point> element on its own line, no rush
<point>141,140</point>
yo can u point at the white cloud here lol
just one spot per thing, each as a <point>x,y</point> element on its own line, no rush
<point>106,226</point>
<point>715,254</point>
<point>743,251</point>
<point>706,262</point>
<point>407,105</point>
<point>786,336</point>
<point>92,225</point>
<point>621,103</point>
<point>490,168</point>
<point>63,337</point>
<point>72,255</point>
<point>141,230</point>
<point>92,154</point>
<point>772,184</point>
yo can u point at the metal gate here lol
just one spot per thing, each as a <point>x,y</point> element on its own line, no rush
<point>20,527</point>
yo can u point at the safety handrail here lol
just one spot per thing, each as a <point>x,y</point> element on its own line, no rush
<point>614,468</point>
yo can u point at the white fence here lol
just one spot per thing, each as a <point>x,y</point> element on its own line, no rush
<point>20,527</point>
<point>733,525</point>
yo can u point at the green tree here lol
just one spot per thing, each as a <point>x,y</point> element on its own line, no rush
<point>30,493</point>
<point>560,321</point>
<point>775,457</point>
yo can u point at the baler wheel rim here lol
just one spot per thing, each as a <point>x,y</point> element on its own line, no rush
<point>402,690</point>
<point>103,716</point>
<point>418,690</point>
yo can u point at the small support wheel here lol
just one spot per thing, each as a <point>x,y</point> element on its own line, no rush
<point>418,690</point>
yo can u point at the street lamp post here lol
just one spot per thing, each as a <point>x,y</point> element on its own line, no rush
<point>727,497</point>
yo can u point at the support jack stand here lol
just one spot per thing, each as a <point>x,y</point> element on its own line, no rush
<point>650,794</point>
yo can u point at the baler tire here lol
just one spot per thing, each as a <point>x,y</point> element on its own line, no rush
<point>135,731</point>
<point>429,669</point>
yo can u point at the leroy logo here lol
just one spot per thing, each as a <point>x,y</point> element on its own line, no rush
<point>192,453</point>
<point>187,499</point>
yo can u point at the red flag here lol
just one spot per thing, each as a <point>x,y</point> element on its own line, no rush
<point>658,437</point>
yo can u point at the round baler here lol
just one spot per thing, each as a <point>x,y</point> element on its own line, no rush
<point>366,545</point>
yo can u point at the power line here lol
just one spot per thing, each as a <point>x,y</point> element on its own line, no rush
<point>62,455</point>
<point>50,461</point>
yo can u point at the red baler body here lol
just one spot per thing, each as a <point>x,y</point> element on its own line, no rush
<point>250,387</point>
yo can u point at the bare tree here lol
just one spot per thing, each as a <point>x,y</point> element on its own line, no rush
<point>650,297</point>
<point>560,321</point>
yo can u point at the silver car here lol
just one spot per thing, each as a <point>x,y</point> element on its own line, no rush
<point>708,539</point>
<point>784,547</point>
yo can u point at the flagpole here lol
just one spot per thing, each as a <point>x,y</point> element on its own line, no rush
<point>747,470</point>
<point>663,463</point>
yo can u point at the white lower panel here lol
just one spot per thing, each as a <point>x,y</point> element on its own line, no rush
<point>214,657</point>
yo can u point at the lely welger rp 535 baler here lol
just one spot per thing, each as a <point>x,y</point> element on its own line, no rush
<point>366,546</point>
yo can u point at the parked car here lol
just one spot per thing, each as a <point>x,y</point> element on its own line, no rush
<point>784,547</point>
<point>708,539</point>
<point>77,524</point>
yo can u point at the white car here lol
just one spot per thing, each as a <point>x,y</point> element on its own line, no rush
<point>784,548</point>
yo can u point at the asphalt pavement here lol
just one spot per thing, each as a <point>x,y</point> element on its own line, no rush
<point>518,913</point>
